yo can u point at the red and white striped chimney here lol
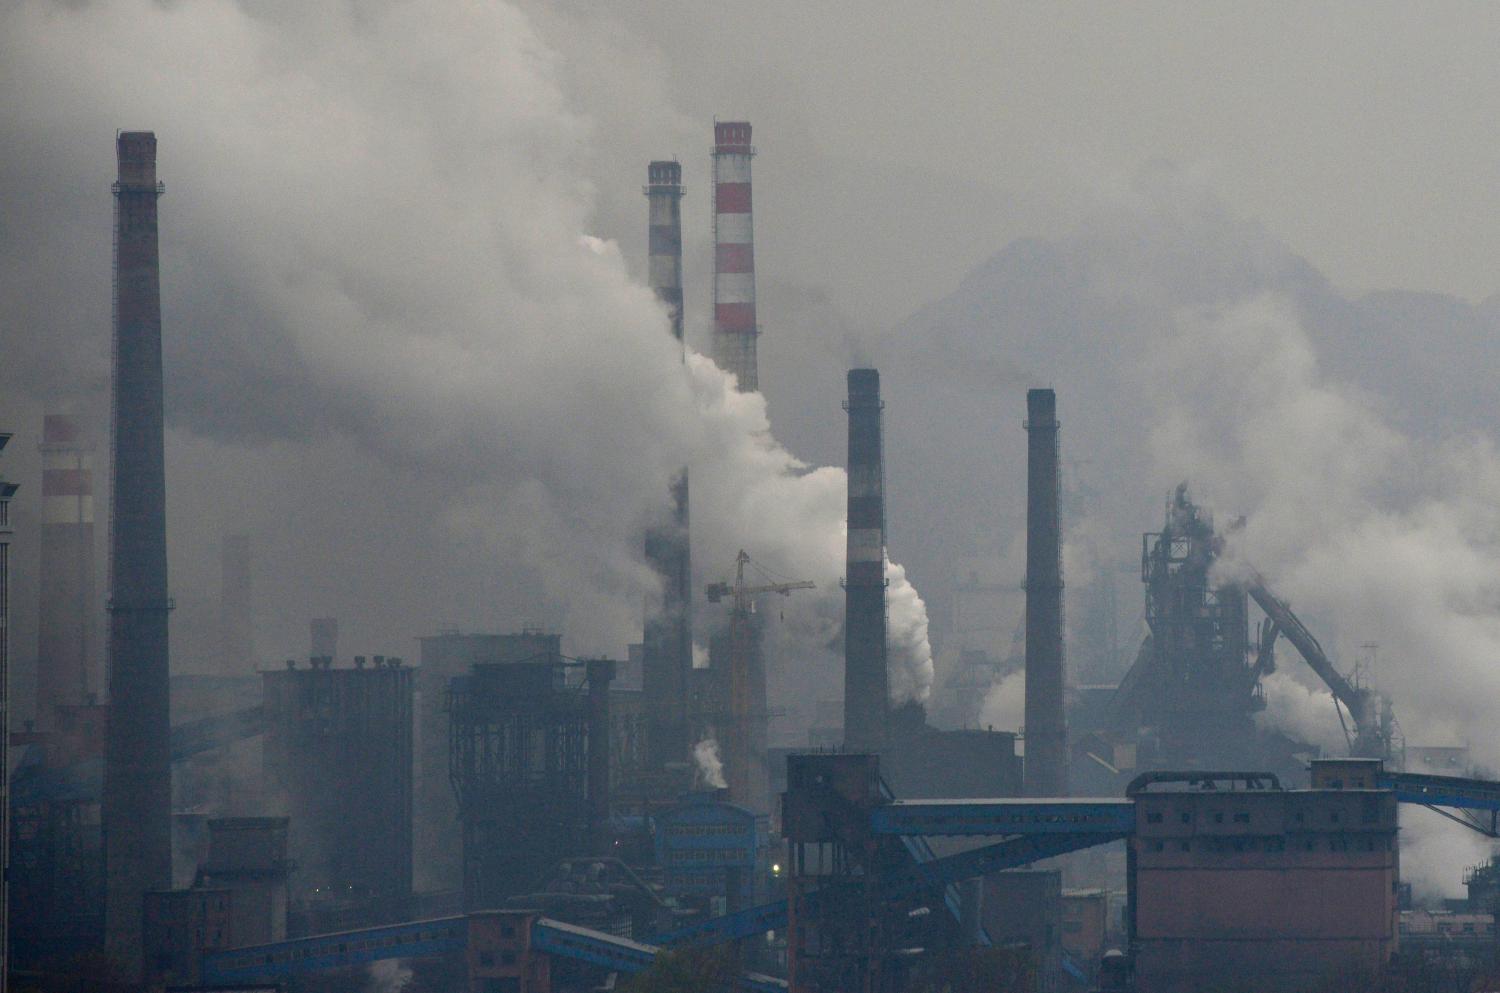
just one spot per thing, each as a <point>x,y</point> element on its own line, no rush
<point>735,329</point>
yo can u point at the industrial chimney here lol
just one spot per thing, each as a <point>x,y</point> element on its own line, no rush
<point>137,807</point>
<point>866,680</point>
<point>735,329</point>
<point>667,650</point>
<point>67,651</point>
<point>1046,768</point>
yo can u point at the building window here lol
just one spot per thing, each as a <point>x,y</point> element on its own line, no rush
<point>1156,846</point>
<point>1153,817</point>
<point>1184,846</point>
<point>1218,817</point>
<point>1334,817</point>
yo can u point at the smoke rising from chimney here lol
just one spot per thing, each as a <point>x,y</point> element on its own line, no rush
<point>710,771</point>
<point>452,315</point>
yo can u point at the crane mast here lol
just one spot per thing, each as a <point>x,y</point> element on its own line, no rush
<point>745,744</point>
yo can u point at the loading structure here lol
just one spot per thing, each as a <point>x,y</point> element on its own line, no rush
<point>860,865</point>
<point>529,763</point>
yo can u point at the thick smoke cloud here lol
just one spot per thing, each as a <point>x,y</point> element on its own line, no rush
<point>378,252</point>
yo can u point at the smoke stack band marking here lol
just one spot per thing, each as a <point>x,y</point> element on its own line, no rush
<point>735,328</point>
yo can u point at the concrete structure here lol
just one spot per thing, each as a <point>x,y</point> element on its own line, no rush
<point>437,834</point>
<point>866,680</point>
<point>1024,907</point>
<point>1046,726</point>
<point>667,651</point>
<point>180,926</point>
<point>67,638</point>
<point>528,758</point>
<point>247,858</point>
<point>735,329</point>
<point>338,752</point>
<point>1233,876</point>
<point>137,761</point>
<point>1085,926</point>
<point>7,490</point>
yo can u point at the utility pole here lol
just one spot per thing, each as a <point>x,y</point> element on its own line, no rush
<point>746,745</point>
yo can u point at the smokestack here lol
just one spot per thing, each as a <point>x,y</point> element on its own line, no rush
<point>1046,728</point>
<point>137,807</point>
<point>735,329</point>
<point>866,680</point>
<point>236,627</point>
<point>667,649</point>
<point>323,640</point>
<point>664,195</point>
<point>67,656</point>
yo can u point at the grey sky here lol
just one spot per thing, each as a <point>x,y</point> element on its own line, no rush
<point>902,142</point>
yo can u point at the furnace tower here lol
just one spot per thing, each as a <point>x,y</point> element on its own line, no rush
<point>137,808</point>
<point>67,653</point>
<point>735,329</point>
<point>866,679</point>
<point>1046,766</point>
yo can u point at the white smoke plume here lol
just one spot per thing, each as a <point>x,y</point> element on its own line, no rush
<point>710,771</point>
<point>1383,538</point>
<point>1380,537</point>
<point>378,231</point>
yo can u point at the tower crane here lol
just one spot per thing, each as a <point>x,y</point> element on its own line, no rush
<point>746,744</point>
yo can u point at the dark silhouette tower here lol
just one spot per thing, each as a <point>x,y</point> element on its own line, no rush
<point>137,811</point>
<point>1046,768</point>
<point>67,640</point>
<point>668,640</point>
<point>866,680</point>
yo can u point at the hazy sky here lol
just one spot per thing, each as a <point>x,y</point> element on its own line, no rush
<point>901,142</point>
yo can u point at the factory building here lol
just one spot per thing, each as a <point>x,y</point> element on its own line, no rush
<point>1233,876</point>
<point>68,672</point>
<point>338,755</point>
<point>529,761</point>
<point>437,832</point>
<point>137,759</point>
<point>712,853</point>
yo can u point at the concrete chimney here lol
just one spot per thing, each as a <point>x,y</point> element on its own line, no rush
<point>1046,768</point>
<point>67,650</point>
<point>735,329</point>
<point>137,802</point>
<point>667,644</point>
<point>866,680</point>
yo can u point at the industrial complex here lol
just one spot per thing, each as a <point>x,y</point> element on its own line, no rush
<point>499,816</point>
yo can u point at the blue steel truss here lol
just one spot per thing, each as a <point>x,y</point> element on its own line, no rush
<point>930,818</point>
<point>319,953</point>
<point>910,879</point>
